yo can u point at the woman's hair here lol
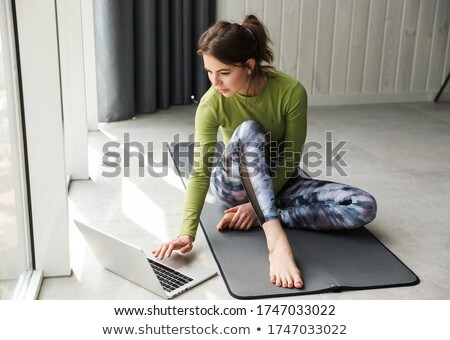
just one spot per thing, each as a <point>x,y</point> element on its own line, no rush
<point>233,44</point>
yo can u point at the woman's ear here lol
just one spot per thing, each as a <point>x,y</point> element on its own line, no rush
<point>250,65</point>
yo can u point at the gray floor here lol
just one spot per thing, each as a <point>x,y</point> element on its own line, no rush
<point>398,152</point>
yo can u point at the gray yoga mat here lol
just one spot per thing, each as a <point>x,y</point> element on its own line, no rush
<point>329,261</point>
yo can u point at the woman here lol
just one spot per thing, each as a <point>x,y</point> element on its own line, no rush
<point>253,105</point>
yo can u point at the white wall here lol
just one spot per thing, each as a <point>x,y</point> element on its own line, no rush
<point>356,51</point>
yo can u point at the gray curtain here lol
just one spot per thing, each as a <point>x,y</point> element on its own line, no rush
<point>146,54</point>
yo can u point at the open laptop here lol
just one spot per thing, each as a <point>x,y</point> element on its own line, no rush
<point>167,280</point>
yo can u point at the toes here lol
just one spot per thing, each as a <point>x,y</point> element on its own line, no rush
<point>278,282</point>
<point>287,281</point>
<point>298,282</point>
<point>273,278</point>
<point>290,283</point>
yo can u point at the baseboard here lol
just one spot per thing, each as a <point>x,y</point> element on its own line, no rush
<point>375,98</point>
<point>445,97</point>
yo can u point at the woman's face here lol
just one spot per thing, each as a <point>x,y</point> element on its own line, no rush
<point>227,79</point>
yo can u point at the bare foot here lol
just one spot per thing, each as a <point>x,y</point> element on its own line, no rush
<point>283,269</point>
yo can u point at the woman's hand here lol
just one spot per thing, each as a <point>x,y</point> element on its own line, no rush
<point>240,217</point>
<point>182,243</point>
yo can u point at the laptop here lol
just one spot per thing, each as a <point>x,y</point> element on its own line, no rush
<point>168,279</point>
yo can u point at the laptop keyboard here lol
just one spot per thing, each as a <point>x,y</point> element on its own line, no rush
<point>170,279</point>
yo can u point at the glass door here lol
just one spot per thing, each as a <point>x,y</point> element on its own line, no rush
<point>15,242</point>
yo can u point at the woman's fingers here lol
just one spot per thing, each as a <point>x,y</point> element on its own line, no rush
<point>183,243</point>
<point>156,251</point>
<point>248,224</point>
<point>221,225</point>
<point>162,251</point>
<point>240,222</point>
<point>241,217</point>
<point>234,219</point>
<point>187,248</point>
<point>224,222</point>
<point>227,222</point>
<point>170,248</point>
<point>165,249</point>
<point>232,209</point>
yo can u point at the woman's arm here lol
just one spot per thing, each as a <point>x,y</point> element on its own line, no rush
<point>206,128</point>
<point>198,184</point>
<point>295,135</point>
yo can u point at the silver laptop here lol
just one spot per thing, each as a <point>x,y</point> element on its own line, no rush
<point>167,280</point>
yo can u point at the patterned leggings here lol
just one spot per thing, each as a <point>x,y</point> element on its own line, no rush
<point>301,203</point>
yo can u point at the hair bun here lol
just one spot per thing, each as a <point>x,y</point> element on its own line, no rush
<point>235,44</point>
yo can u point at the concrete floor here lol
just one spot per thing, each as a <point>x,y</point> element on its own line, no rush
<point>398,152</point>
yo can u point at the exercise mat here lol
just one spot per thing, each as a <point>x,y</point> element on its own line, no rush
<point>329,261</point>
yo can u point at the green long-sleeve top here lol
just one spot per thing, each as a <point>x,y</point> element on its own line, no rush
<point>281,109</point>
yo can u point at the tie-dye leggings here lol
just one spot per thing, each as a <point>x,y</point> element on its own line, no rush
<point>301,203</point>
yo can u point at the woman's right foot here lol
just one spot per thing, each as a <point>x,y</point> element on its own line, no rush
<point>283,269</point>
